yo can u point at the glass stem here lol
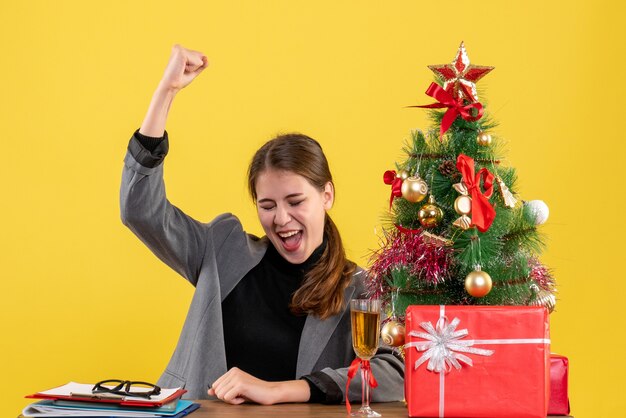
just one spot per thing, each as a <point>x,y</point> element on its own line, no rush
<point>365,393</point>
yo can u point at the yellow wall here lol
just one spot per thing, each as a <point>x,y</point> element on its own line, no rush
<point>83,299</point>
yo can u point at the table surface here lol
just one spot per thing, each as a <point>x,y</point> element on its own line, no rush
<point>296,410</point>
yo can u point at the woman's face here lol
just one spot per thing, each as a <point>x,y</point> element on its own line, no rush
<point>292,212</point>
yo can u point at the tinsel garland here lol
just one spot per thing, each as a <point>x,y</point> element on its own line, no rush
<point>541,275</point>
<point>426,262</point>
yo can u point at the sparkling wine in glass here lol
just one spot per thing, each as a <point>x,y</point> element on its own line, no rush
<point>365,315</point>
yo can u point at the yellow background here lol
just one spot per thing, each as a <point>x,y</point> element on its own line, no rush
<point>83,299</point>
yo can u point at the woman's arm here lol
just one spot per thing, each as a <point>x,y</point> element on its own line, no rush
<point>388,370</point>
<point>174,237</point>
<point>237,386</point>
<point>183,67</point>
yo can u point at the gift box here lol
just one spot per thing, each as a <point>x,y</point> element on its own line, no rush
<point>477,361</point>
<point>559,400</point>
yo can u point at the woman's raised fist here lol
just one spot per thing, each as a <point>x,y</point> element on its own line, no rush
<point>184,65</point>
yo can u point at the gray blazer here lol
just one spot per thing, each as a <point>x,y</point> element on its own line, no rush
<point>214,257</point>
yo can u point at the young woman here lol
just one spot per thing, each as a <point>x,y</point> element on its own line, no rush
<point>269,321</point>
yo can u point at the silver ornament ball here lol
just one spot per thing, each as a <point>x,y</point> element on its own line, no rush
<point>539,210</point>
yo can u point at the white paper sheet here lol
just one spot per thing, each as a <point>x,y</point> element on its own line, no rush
<point>77,388</point>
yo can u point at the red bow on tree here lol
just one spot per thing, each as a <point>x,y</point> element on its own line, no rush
<point>455,107</point>
<point>354,367</point>
<point>396,185</point>
<point>483,213</point>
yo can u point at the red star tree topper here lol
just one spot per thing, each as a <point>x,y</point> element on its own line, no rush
<point>460,76</point>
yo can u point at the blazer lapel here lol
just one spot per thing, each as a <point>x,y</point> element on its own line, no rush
<point>315,336</point>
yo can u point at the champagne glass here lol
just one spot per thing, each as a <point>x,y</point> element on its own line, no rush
<point>365,316</point>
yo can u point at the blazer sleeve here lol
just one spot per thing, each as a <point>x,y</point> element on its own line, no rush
<point>387,368</point>
<point>177,239</point>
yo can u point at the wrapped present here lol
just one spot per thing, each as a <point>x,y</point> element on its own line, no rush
<point>477,361</point>
<point>559,400</point>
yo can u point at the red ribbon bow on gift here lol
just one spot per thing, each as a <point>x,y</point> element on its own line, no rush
<point>455,107</point>
<point>396,185</point>
<point>354,367</point>
<point>483,213</point>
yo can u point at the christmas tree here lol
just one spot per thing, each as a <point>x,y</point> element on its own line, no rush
<point>457,234</point>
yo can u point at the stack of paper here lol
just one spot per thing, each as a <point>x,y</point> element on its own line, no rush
<point>76,400</point>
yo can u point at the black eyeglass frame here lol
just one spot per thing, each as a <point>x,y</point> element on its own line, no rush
<point>123,387</point>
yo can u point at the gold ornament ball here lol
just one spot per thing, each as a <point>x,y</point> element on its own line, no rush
<point>478,283</point>
<point>463,205</point>
<point>483,139</point>
<point>403,174</point>
<point>393,334</point>
<point>543,298</point>
<point>430,214</point>
<point>414,189</point>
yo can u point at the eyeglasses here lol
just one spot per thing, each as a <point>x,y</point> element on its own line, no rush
<point>127,387</point>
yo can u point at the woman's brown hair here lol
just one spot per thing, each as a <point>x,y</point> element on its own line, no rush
<point>321,292</point>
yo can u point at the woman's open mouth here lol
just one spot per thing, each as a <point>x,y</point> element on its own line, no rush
<point>291,239</point>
